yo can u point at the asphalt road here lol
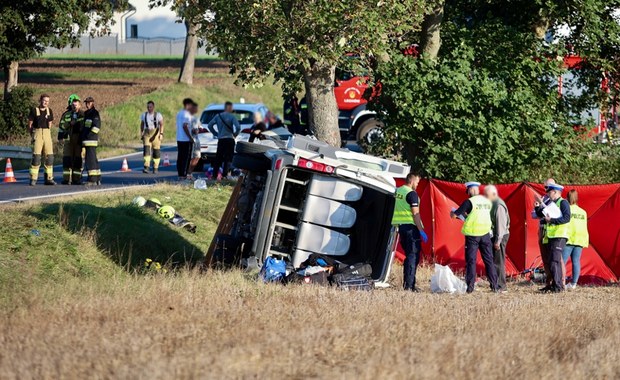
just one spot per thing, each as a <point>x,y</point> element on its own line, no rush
<point>112,178</point>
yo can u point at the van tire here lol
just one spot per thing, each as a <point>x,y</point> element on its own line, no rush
<point>244,147</point>
<point>253,163</point>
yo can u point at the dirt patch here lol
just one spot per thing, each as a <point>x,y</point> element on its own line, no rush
<point>60,78</point>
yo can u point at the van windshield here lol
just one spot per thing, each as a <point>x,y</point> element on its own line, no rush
<point>244,117</point>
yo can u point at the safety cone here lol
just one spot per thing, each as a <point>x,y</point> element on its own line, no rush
<point>166,160</point>
<point>125,167</point>
<point>9,176</point>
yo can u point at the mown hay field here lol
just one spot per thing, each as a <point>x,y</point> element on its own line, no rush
<point>73,306</point>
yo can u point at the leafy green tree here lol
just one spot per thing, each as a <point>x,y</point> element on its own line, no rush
<point>484,104</point>
<point>301,42</point>
<point>28,27</point>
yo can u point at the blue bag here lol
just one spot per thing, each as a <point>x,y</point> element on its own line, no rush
<point>274,270</point>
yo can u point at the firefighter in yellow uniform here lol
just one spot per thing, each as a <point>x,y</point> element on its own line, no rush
<point>39,126</point>
<point>71,124</point>
<point>477,230</point>
<point>90,141</point>
<point>151,132</point>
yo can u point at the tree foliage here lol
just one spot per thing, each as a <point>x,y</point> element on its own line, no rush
<point>488,107</point>
<point>301,42</point>
<point>28,27</point>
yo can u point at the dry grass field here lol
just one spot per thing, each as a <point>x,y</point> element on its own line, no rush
<point>227,325</point>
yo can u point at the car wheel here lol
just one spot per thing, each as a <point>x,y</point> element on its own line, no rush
<point>252,163</point>
<point>370,131</point>
<point>244,147</point>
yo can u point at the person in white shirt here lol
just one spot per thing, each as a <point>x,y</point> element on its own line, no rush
<point>184,138</point>
<point>196,128</point>
<point>151,134</point>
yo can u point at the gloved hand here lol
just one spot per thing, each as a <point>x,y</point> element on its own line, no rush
<point>424,236</point>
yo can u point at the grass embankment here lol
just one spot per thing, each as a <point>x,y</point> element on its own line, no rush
<point>90,238</point>
<point>123,84</point>
<point>123,119</point>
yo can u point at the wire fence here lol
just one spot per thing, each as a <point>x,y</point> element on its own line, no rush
<point>112,45</point>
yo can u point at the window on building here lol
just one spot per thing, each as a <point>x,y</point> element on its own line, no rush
<point>133,33</point>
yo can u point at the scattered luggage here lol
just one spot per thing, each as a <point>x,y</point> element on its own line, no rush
<point>273,270</point>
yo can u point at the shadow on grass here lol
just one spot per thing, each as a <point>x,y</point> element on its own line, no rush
<point>127,234</point>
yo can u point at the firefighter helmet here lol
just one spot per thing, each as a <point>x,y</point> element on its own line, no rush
<point>166,212</point>
<point>139,201</point>
<point>72,98</point>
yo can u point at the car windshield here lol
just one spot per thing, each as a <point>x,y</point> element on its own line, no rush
<point>244,117</point>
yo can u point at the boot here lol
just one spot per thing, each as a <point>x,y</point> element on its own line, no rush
<point>50,182</point>
<point>33,182</point>
<point>145,170</point>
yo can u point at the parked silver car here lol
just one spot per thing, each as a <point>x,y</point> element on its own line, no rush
<point>245,114</point>
<point>310,198</point>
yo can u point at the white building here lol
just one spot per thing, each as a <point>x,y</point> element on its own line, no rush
<point>143,22</point>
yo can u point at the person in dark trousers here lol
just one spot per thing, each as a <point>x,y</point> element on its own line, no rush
<point>556,235</point>
<point>539,203</point>
<point>291,115</point>
<point>39,126</point>
<point>500,222</point>
<point>70,127</point>
<point>578,238</point>
<point>410,228</point>
<point>476,213</point>
<point>90,141</point>
<point>228,128</point>
<point>184,138</point>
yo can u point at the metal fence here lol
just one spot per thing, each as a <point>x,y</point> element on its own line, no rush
<point>131,46</point>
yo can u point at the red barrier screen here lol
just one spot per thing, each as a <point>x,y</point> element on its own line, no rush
<point>600,262</point>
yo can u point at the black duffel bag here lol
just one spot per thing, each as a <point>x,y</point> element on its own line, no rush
<point>352,282</point>
<point>359,270</point>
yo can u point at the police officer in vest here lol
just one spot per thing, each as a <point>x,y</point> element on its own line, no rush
<point>90,141</point>
<point>556,235</point>
<point>71,124</point>
<point>476,212</point>
<point>39,126</point>
<point>152,133</point>
<point>410,227</point>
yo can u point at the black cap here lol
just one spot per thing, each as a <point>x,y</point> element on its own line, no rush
<point>89,100</point>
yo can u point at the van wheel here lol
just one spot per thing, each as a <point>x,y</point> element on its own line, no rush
<point>244,147</point>
<point>251,162</point>
<point>370,131</point>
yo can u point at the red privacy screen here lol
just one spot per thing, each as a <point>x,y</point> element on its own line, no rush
<point>600,262</point>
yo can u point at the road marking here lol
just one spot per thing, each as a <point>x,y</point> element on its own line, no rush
<point>79,192</point>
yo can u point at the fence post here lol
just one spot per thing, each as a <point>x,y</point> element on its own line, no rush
<point>144,47</point>
<point>89,43</point>
<point>117,45</point>
<point>171,47</point>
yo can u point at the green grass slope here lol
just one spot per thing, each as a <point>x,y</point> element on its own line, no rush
<point>94,237</point>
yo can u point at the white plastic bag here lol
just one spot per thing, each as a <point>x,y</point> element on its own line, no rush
<point>444,281</point>
<point>200,184</point>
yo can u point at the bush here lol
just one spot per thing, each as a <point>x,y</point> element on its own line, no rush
<point>14,112</point>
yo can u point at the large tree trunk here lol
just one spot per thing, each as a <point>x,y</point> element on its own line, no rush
<point>10,77</point>
<point>189,53</point>
<point>322,106</point>
<point>431,32</point>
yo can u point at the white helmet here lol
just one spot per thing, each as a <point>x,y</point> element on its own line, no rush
<point>139,201</point>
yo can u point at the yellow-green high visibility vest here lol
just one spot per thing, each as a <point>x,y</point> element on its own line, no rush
<point>556,231</point>
<point>478,222</point>
<point>578,227</point>
<point>402,209</point>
